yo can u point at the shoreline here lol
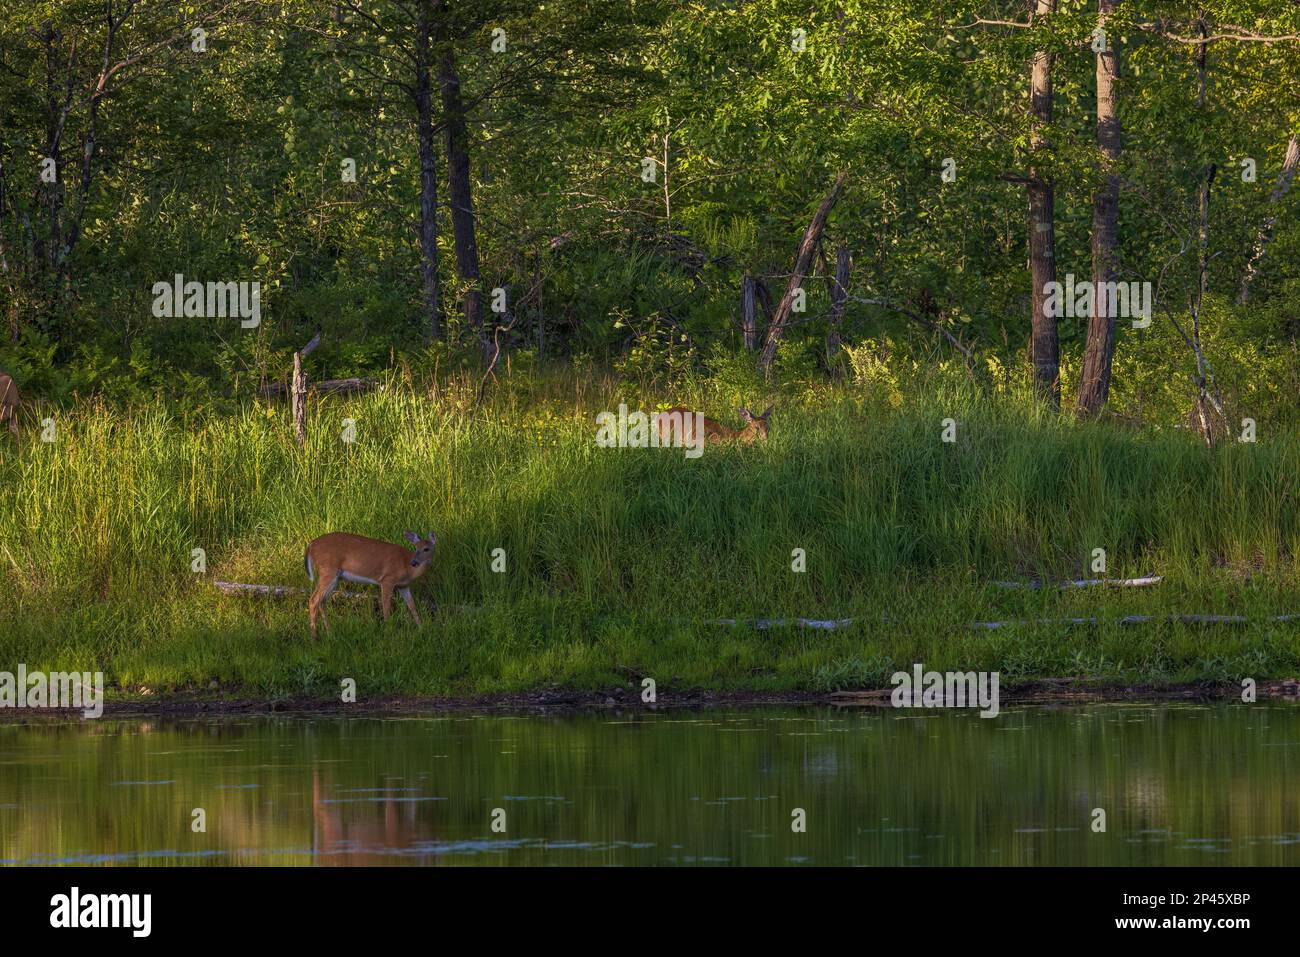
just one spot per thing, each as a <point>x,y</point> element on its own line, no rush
<point>559,702</point>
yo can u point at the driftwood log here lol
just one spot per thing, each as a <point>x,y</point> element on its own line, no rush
<point>763,624</point>
<point>830,624</point>
<point>280,591</point>
<point>289,591</point>
<point>324,387</point>
<point>802,261</point>
<point>1138,620</point>
<point>1089,583</point>
<point>816,624</point>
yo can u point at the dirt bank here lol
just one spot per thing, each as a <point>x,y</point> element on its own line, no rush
<point>1062,691</point>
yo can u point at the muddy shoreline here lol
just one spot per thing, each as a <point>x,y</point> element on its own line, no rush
<point>1060,692</point>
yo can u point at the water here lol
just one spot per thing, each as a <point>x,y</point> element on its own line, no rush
<point>1180,784</point>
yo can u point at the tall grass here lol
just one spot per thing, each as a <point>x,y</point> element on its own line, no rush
<point>615,557</point>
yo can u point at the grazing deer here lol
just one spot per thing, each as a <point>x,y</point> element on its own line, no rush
<point>341,556</point>
<point>9,402</point>
<point>684,419</point>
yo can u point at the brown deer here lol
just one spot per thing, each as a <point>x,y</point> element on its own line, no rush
<point>682,419</point>
<point>342,556</point>
<point>9,402</point>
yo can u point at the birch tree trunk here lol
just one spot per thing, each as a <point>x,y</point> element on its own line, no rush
<point>1265,234</point>
<point>1094,386</point>
<point>1045,345</point>
<point>1203,199</point>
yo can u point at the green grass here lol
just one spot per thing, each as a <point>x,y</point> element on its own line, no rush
<point>616,559</point>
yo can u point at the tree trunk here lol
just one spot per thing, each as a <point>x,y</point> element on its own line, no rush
<point>428,172</point>
<point>539,307</point>
<point>462,203</point>
<point>781,318</point>
<point>1094,387</point>
<point>1045,346</point>
<point>748,320</point>
<point>51,195</point>
<point>298,400</point>
<point>1265,234</point>
<point>839,299</point>
<point>1203,204</point>
<point>764,299</point>
<point>7,275</point>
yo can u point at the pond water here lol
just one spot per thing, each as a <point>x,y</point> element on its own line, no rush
<point>1179,784</point>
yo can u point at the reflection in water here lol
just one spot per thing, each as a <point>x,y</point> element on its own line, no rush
<point>393,826</point>
<point>1180,784</point>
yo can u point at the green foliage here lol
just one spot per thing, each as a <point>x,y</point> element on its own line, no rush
<point>227,165</point>
<point>624,556</point>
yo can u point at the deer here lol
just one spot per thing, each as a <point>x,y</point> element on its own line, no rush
<point>9,402</point>
<point>755,428</point>
<point>341,556</point>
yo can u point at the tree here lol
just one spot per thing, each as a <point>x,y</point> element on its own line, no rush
<point>1094,385</point>
<point>1045,346</point>
<point>85,54</point>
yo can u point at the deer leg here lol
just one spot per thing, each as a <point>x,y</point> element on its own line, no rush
<point>324,588</point>
<point>386,599</point>
<point>410,603</point>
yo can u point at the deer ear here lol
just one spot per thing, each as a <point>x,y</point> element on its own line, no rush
<point>433,539</point>
<point>747,415</point>
<point>411,537</point>
<point>768,412</point>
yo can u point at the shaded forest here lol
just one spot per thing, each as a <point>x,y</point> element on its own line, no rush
<point>816,188</point>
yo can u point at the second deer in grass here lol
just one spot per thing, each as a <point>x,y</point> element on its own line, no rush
<point>355,558</point>
<point>682,420</point>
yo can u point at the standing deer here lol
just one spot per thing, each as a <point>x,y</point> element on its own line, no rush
<point>9,402</point>
<point>355,558</point>
<point>683,419</point>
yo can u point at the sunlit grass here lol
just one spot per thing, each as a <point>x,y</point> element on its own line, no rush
<point>617,559</point>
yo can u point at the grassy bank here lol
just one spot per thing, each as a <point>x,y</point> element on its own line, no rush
<point>616,558</point>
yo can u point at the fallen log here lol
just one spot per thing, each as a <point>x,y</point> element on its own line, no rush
<point>830,624</point>
<point>324,387</point>
<point>763,624</point>
<point>279,591</point>
<point>802,262</point>
<point>288,591</point>
<point>990,625</point>
<point>1089,583</point>
<point>1138,620</point>
<point>816,624</point>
